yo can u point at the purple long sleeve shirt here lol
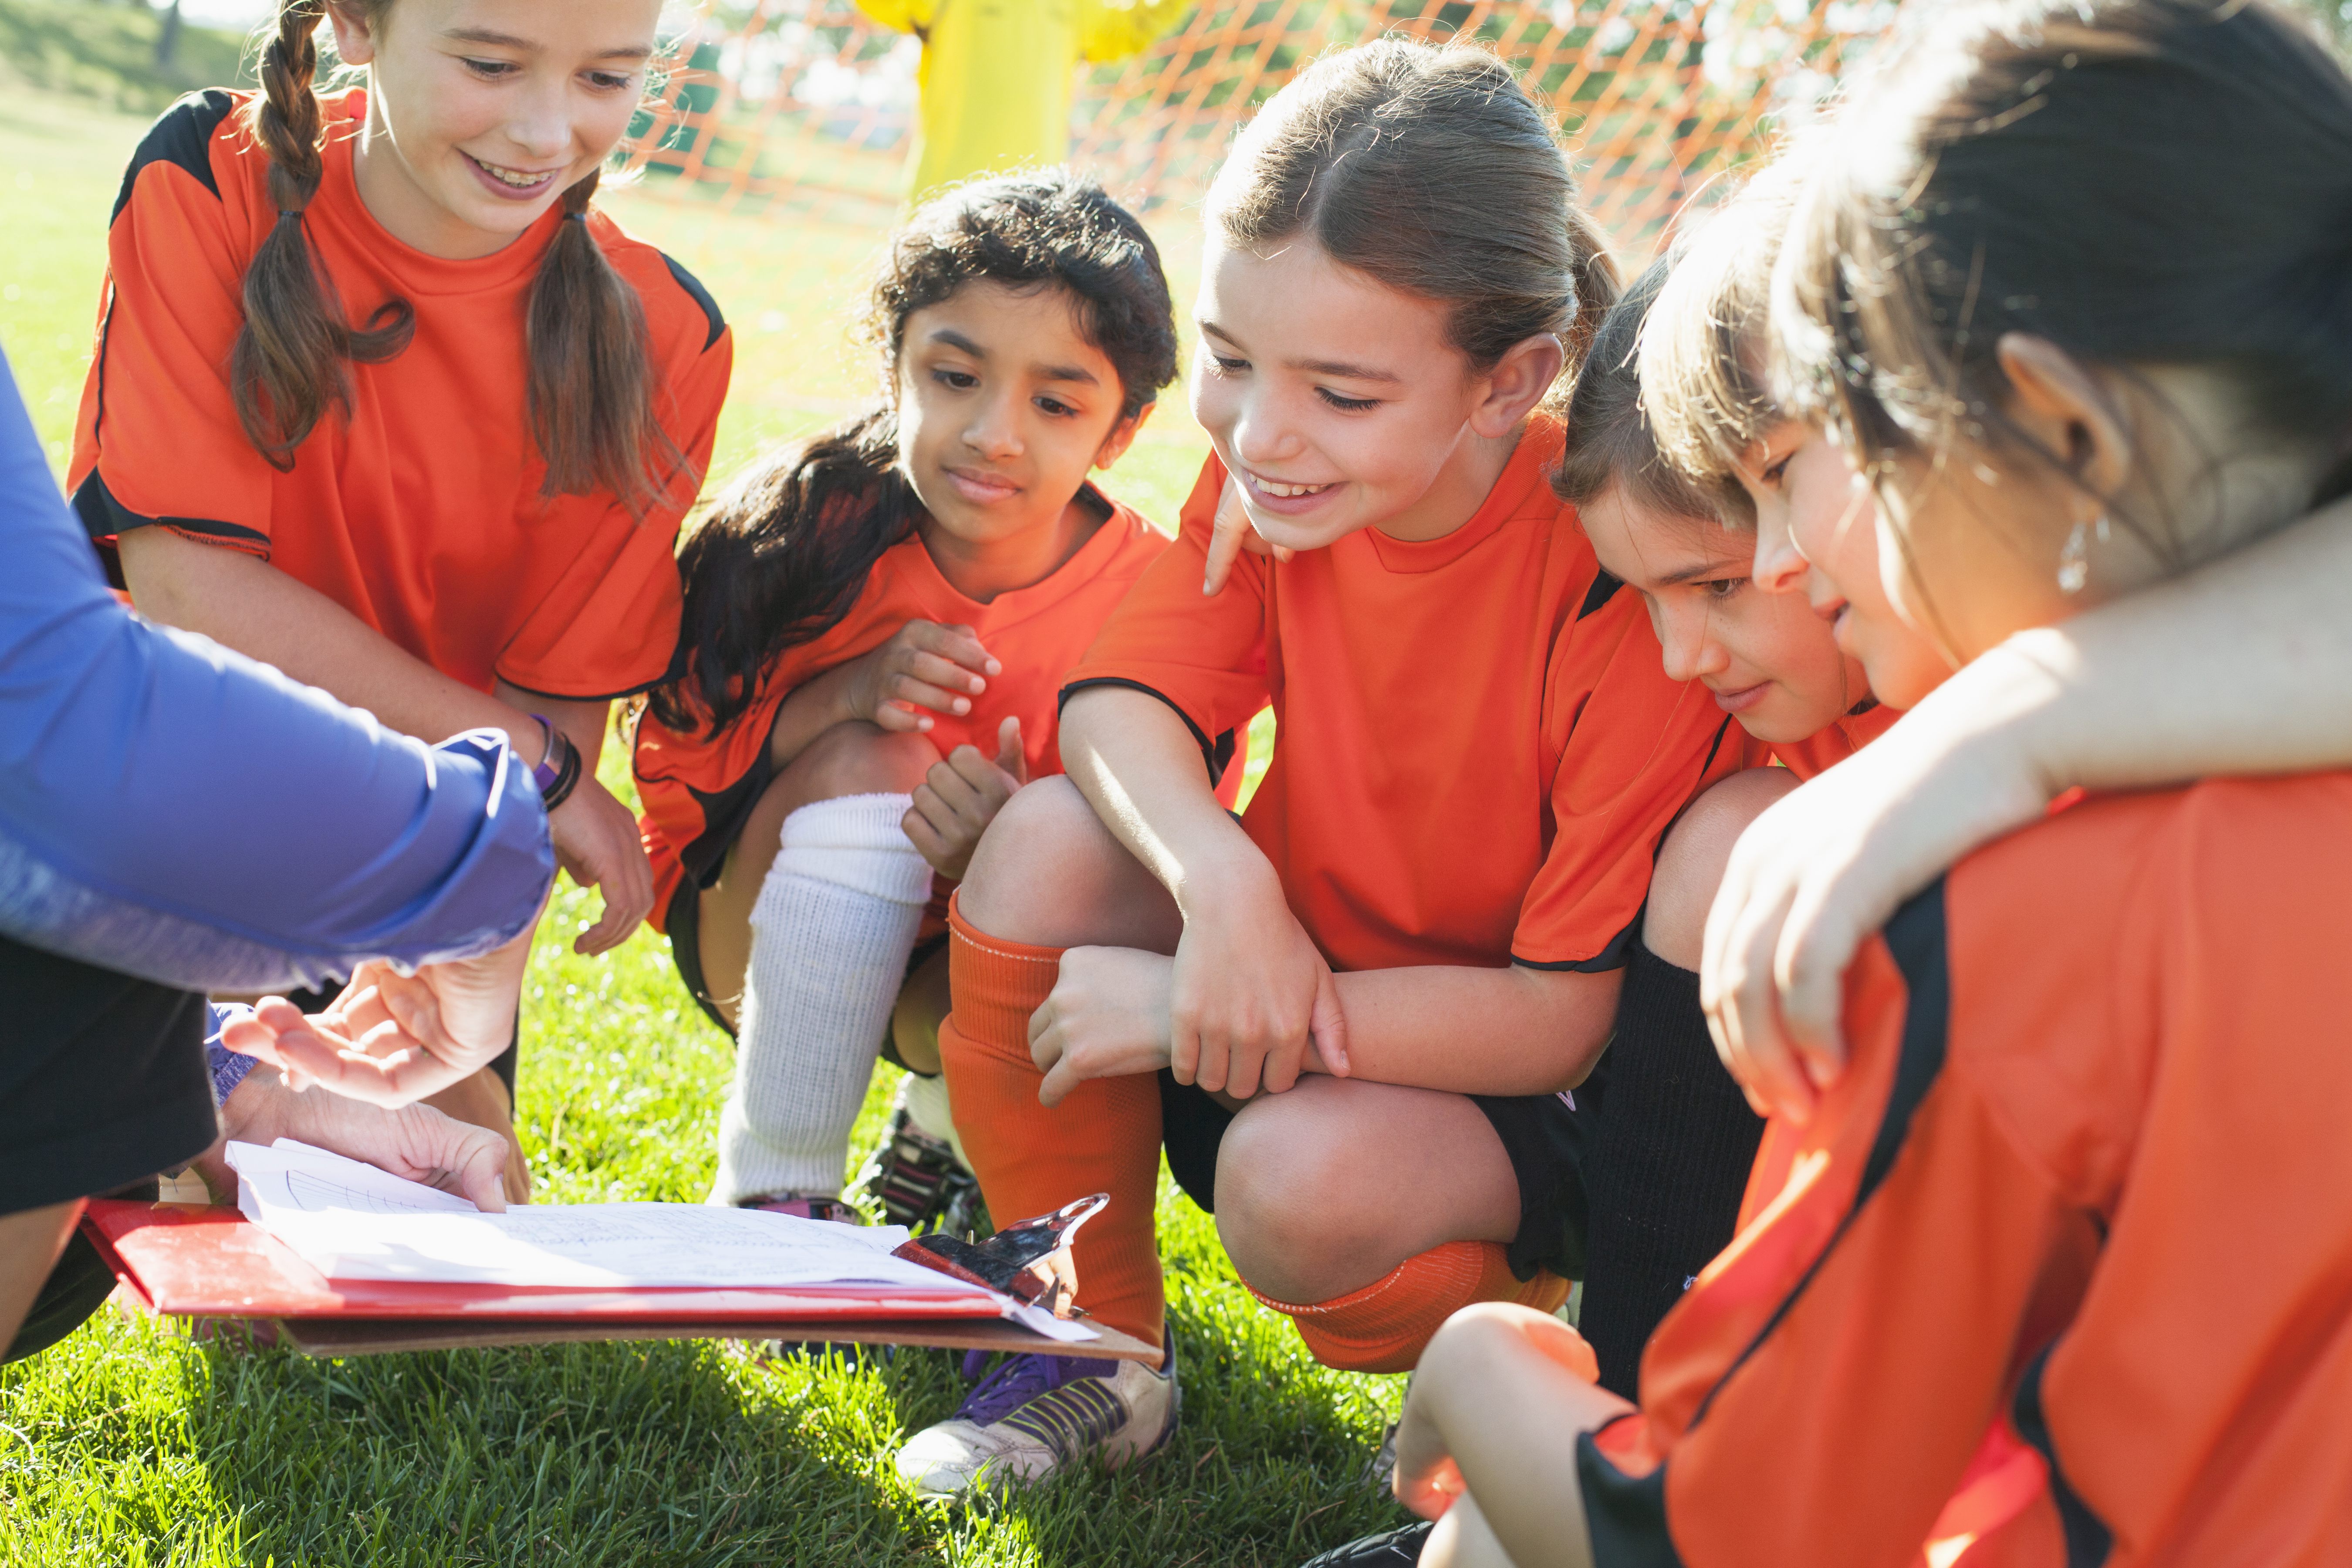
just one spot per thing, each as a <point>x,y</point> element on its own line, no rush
<point>177,810</point>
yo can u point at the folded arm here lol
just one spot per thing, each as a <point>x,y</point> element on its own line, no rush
<point>2244,667</point>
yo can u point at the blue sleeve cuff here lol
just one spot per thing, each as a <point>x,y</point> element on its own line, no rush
<point>227,1067</point>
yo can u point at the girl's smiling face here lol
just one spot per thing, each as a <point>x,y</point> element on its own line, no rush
<point>1817,533</point>
<point>1767,657</point>
<point>481,114</point>
<point>1337,404</point>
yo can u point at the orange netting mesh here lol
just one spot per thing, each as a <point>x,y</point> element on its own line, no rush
<point>808,104</point>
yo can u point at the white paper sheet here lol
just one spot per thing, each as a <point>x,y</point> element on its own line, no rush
<point>351,1221</point>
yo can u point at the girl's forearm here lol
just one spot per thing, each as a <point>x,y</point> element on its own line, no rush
<point>1135,761</point>
<point>251,607</point>
<point>2242,666</point>
<point>1477,1031</point>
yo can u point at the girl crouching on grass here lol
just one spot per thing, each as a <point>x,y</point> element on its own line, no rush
<point>380,399</point>
<point>876,625</point>
<point>1977,1307</point>
<point>1433,888</point>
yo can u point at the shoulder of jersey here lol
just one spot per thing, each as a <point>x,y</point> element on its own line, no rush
<point>675,299</point>
<point>182,137</point>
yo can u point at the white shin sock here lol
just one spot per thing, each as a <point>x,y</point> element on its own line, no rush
<point>830,935</point>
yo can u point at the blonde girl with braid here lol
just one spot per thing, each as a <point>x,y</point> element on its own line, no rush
<point>378,397</point>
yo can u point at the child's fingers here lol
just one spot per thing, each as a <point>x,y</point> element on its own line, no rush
<point>1010,759</point>
<point>932,669</point>
<point>984,783</point>
<point>958,645</point>
<point>1228,532</point>
<point>916,693</point>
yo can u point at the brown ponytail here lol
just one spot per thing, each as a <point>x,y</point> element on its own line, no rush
<point>591,363</point>
<point>1428,168</point>
<point>286,368</point>
<point>591,376</point>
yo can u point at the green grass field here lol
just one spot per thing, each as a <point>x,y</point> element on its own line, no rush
<point>133,1444</point>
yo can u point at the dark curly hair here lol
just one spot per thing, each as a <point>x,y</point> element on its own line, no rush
<point>783,554</point>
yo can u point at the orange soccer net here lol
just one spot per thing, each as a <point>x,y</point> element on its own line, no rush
<point>807,104</point>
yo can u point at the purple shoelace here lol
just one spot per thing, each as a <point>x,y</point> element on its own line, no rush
<point>1019,1380</point>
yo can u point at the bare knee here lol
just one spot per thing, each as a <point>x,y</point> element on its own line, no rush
<point>1285,1174</point>
<point>1691,860</point>
<point>1047,872</point>
<point>855,758</point>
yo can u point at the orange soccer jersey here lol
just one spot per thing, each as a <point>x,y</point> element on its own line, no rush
<point>1831,744</point>
<point>421,512</point>
<point>1477,747</point>
<point>697,788</point>
<point>2060,1270</point>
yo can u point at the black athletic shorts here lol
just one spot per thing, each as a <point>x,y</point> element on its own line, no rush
<point>1543,1135</point>
<point>684,928</point>
<point>102,1079</point>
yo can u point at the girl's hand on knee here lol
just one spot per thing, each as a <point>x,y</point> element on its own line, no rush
<point>1252,994</point>
<point>926,666</point>
<point>960,796</point>
<point>1229,535</point>
<point>1106,1016</point>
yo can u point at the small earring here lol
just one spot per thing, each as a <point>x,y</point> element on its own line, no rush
<point>2073,560</point>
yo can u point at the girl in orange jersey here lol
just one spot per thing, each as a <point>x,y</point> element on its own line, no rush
<point>876,625</point>
<point>1672,1139</point>
<point>1433,889</point>
<point>2054,1272</point>
<point>379,398</point>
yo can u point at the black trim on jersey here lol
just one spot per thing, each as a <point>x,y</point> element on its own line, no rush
<point>725,812</point>
<point>1624,1516</point>
<point>701,295</point>
<point>1916,937</point>
<point>182,135</point>
<point>102,516</point>
<point>1610,957</point>
<point>1215,755</point>
<point>1721,731</point>
<point>592,696</point>
<point>2089,1542</point>
<point>1604,588</point>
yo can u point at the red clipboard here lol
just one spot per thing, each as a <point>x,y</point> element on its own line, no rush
<point>199,1261</point>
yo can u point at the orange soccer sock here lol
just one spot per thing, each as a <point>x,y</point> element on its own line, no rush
<point>1103,1138</point>
<point>1386,1325</point>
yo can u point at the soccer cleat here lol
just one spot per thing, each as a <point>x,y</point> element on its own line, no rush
<point>1397,1548</point>
<point>1035,1415</point>
<point>920,1182</point>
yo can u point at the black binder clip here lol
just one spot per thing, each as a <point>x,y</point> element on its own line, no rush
<point>1015,1260</point>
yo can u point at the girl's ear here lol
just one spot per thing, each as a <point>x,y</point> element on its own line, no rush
<point>2061,407</point>
<point>354,38</point>
<point>1122,436</point>
<point>1520,380</point>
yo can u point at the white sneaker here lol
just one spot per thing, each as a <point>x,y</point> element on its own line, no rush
<point>1036,1413</point>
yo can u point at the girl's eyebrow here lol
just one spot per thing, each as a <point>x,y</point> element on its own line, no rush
<point>1072,372</point>
<point>1340,368</point>
<point>1724,566</point>
<point>499,40</point>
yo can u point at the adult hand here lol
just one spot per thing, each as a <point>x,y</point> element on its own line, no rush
<point>391,1039</point>
<point>1821,870</point>
<point>960,796</point>
<point>1229,534</point>
<point>1250,992</point>
<point>924,666</point>
<point>415,1142</point>
<point>597,841</point>
<point>1106,1016</point>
